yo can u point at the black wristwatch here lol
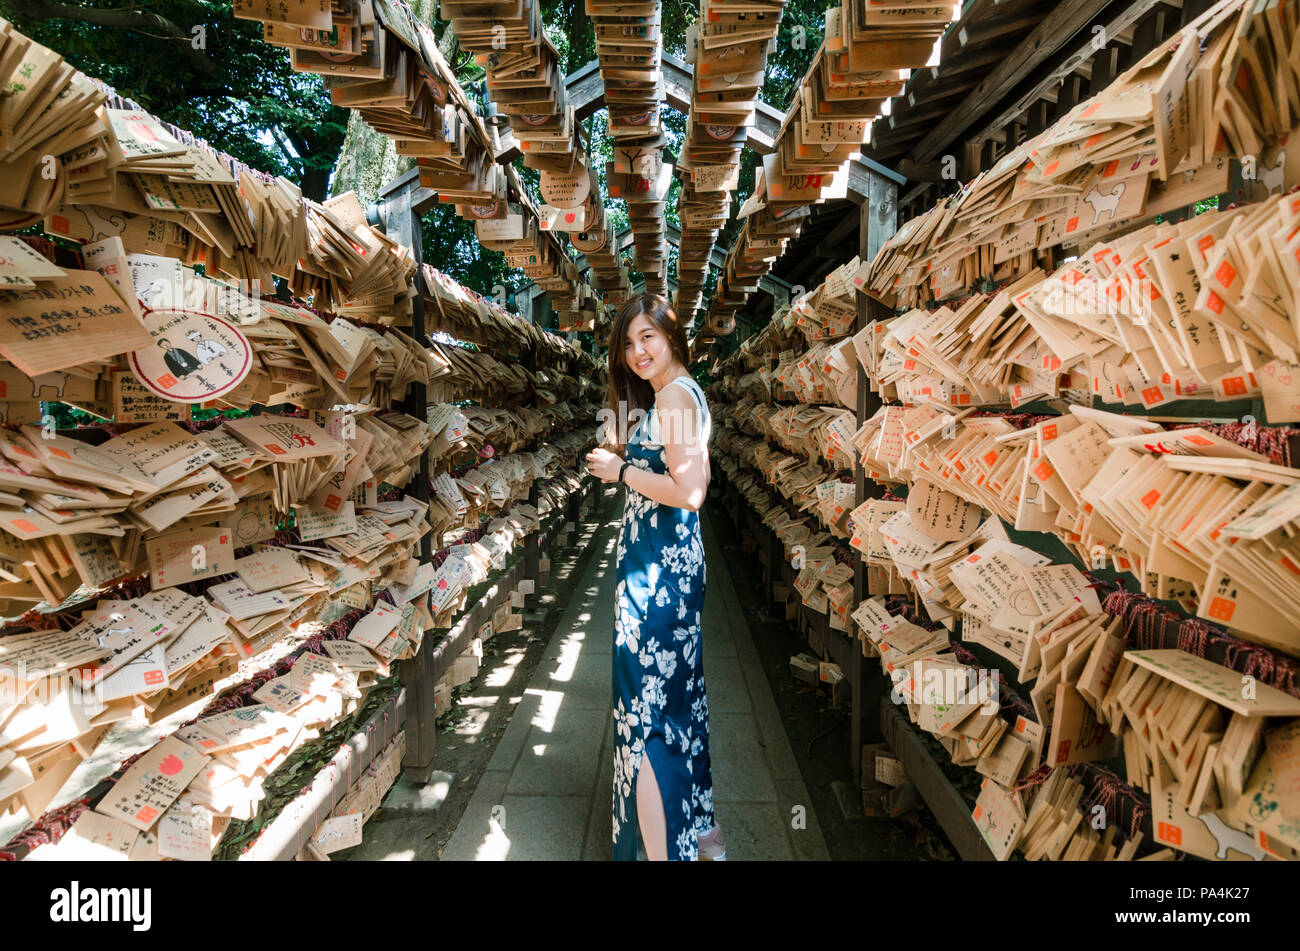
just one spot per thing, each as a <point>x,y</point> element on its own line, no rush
<point>622,470</point>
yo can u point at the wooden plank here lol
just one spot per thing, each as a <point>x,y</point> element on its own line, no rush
<point>879,220</point>
<point>975,33</point>
<point>1082,53</point>
<point>282,837</point>
<point>1051,34</point>
<point>948,806</point>
<point>831,246</point>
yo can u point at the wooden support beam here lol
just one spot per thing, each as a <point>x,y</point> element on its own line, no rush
<point>1036,118</point>
<point>1052,33</point>
<point>1083,50</point>
<point>913,193</point>
<point>930,91</point>
<point>966,63</point>
<point>879,219</point>
<point>982,31</point>
<point>1191,9</point>
<point>861,168</point>
<point>971,160</point>
<point>832,246</point>
<point>1145,35</point>
<point>885,152</point>
<point>914,117</point>
<point>1070,94</point>
<point>916,172</point>
<point>585,90</point>
<point>972,11</point>
<point>402,224</point>
<point>1103,70</point>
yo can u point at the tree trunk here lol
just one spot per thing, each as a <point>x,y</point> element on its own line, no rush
<point>315,183</point>
<point>367,161</point>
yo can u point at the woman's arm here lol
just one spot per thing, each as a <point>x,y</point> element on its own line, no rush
<point>687,479</point>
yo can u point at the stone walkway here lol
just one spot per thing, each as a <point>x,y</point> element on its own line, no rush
<point>546,793</point>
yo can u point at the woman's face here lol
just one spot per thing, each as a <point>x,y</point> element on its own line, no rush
<point>646,350</point>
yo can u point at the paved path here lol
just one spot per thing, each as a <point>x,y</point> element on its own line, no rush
<point>547,790</point>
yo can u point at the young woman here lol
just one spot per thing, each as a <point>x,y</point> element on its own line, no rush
<point>662,777</point>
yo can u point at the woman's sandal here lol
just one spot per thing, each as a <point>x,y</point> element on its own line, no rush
<point>712,847</point>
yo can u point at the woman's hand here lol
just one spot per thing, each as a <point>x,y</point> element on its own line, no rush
<point>604,465</point>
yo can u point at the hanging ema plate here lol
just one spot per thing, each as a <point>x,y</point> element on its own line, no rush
<point>723,324</point>
<point>588,242</point>
<point>566,189</point>
<point>339,36</point>
<point>536,118</point>
<point>495,209</point>
<point>15,220</point>
<point>335,57</point>
<point>594,212</point>
<point>195,357</point>
<point>720,131</point>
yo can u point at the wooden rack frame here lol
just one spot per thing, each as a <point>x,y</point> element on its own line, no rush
<point>402,202</point>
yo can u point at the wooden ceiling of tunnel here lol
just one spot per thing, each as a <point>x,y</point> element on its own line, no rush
<point>1007,70</point>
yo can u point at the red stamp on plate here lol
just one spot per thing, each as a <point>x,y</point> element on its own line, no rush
<point>1222,609</point>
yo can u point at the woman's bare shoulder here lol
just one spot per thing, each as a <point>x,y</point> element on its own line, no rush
<point>674,397</point>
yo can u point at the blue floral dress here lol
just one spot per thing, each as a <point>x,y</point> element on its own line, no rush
<point>660,707</point>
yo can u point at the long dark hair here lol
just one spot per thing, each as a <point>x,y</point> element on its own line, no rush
<point>624,384</point>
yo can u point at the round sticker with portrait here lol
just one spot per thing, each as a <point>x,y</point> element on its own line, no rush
<point>195,357</point>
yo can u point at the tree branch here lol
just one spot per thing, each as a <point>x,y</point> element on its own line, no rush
<point>294,161</point>
<point>300,142</point>
<point>137,20</point>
